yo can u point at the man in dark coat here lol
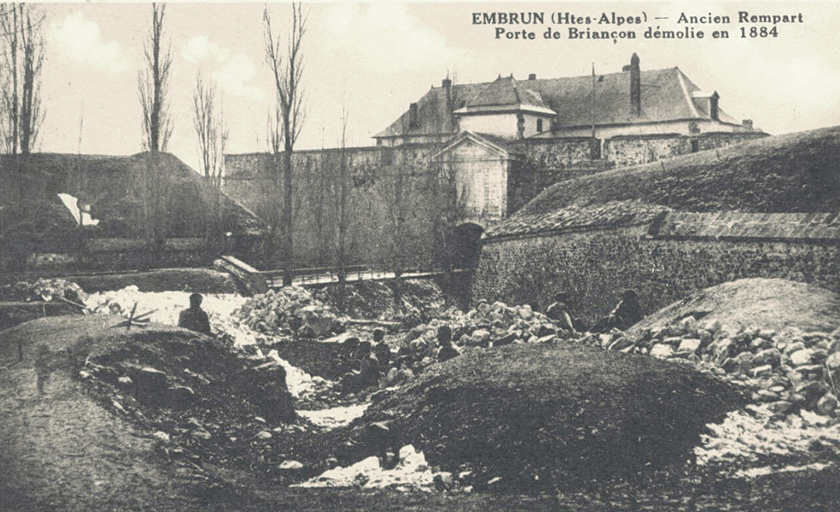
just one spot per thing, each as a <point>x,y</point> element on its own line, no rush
<point>194,318</point>
<point>559,312</point>
<point>447,351</point>
<point>624,315</point>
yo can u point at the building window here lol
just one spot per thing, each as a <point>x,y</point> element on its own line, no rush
<point>539,125</point>
<point>695,146</point>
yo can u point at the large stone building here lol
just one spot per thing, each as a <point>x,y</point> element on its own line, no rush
<point>628,103</point>
<point>624,118</point>
<point>500,143</point>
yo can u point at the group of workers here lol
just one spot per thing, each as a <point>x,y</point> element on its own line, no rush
<point>372,360</point>
<point>369,360</point>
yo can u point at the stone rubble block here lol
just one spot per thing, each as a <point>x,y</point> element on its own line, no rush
<point>689,345</point>
<point>662,351</point>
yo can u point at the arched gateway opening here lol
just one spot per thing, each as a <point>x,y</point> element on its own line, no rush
<point>467,237</point>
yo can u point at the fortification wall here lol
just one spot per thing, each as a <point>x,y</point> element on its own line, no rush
<point>536,164</point>
<point>626,150</point>
<point>684,253</point>
<point>543,162</point>
<point>374,177</point>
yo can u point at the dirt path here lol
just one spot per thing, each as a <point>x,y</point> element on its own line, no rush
<point>62,451</point>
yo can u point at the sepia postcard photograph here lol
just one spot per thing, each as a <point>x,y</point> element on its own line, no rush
<point>420,256</point>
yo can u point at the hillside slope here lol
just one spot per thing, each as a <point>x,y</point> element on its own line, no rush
<point>757,303</point>
<point>797,172</point>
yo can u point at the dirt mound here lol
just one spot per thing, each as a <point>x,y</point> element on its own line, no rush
<point>45,290</point>
<point>209,400</point>
<point>548,416</point>
<point>193,280</point>
<point>772,304</point>
<point>62,450</point>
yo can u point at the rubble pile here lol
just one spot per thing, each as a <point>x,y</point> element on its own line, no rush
<point>46,290</point>
<point>421,300</point>
<point>488,325</point>
<point>755,441</point>
<point>287,312</point>
<point>542,416</point>
<point>787,371</point>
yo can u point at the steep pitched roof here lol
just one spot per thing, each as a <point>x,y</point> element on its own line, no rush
<point>666,95</point>
<point>433,117</point>
<point>505,92</point>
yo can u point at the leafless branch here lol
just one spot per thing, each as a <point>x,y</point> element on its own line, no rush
<point>289,115</point>
<point>152,88</point>
<point>23,57</point>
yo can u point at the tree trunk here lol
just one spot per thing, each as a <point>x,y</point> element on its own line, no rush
<point>287,241</point>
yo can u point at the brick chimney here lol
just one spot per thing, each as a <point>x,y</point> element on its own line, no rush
<point>412,115</point>
<point>635,86</point>
<point>714,112</point>
<point>532,76</point>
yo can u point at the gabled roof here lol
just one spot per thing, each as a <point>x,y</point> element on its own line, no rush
<point>505,94</point>
<point>666,95</point>
<point>493,145</point>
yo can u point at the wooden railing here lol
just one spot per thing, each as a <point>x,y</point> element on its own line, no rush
<point>259,281</point>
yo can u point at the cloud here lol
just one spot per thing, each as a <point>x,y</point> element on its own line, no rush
<point>200,47</point>
<point>234,75</point>
<point>386,36</point>
<point>80,39</point>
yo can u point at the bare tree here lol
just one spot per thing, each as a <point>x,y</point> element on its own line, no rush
<point>287,70</point>
<point>271,189</point>
<point>212,135</point>
<point>342,204</point>
<point>447,205</point>
<point>396,188</point>
<point>152,87</point>
<point>23,58</point>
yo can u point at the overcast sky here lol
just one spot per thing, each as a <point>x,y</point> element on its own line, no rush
<point>381,57</point>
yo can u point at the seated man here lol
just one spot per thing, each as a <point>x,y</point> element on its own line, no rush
<point>625,314</point>
<point>383,354</point>
<point>559,312</point>
<point>447,351</point>
<point>194,318</point>
<point>368,373</point>
<point>381,349</point>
